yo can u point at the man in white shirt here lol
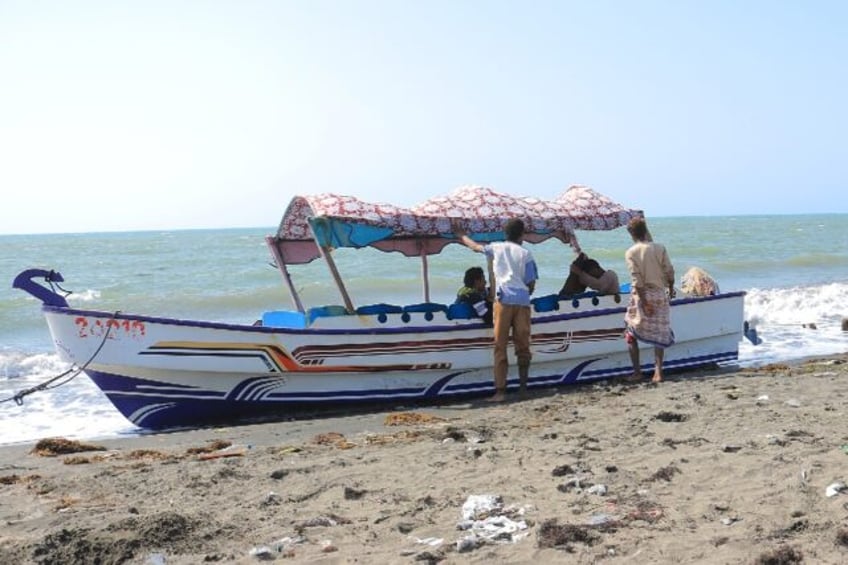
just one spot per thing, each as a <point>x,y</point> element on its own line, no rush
<point>515,279</point>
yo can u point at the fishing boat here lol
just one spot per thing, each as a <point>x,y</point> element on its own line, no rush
<point>163,372</point>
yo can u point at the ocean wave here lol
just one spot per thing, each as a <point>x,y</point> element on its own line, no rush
<point>22,366</point>
<point>819,304</point>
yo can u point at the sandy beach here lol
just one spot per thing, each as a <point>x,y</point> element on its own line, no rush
<point>721,466</point>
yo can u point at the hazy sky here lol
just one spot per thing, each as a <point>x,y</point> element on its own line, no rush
<point>121,115</point>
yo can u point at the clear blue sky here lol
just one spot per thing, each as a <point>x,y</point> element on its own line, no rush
<point>180,114</point>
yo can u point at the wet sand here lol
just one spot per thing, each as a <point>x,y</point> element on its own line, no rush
<point>722,466</point>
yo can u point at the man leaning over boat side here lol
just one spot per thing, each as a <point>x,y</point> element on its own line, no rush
<point>648,316</point>
<point>515,279</point>
<point>586,272</point>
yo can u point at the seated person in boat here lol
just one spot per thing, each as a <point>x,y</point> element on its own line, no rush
<point>696,282</point>
<point>474,293</point>
<point>585,272</point>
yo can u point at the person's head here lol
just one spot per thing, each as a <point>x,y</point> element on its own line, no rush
<point>475,278</point>
<point>638,228</point>
<point>514,230</point>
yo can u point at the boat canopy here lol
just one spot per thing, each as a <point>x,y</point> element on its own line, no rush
<point>313,226</point>
<point>332,221</point>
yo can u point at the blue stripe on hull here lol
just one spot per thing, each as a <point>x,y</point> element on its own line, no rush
<point>155,405</point>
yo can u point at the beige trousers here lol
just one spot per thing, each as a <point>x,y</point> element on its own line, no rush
<point>516,318</point>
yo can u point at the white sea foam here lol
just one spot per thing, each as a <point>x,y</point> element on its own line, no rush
<point>76,409</point>
<point>88,295</point>
<point>796,322</point>
<point>823,304</point>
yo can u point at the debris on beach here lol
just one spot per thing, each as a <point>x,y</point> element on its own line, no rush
<point>401,436</point>
<point>602,519</point>
<point>76,460</point>
<point>428,557</point>
<point>783,555</point>
<point>283,547</point>
<point>410,419</point>
<point>599,490</point>
<point>834,488</point>
<point>15,479</point>
<point>664,473</point>
<point>666,416</point>
<point>325,521</point>
<point>284,449</point>
<point>10,479</point>
<point>554,535</point>
<point>262,553</point>
<point>432,541</point>
<point>51,447</point>
<point>214,445</point>
<point>486,519</point>
<point>576,484</point>
<point>562,470</point>
<point>147,454</point>
<point>229,450</point>
<point>221,454</point>
<point>646,511</point>
<point>772,368</point>
<point>351,493</point>
<point>334,439</point>
<point>65,503</point>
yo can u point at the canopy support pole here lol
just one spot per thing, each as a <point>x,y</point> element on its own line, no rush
<point>281,265</point>
<point>325,253</point>
<point>425,273</point>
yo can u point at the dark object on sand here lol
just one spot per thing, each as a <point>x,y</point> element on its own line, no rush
<point>552,534</point>
<point>783,555</point>
<point>50,447</point>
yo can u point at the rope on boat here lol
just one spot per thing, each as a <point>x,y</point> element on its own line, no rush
<point>18,397</point>
<point>54,285</point>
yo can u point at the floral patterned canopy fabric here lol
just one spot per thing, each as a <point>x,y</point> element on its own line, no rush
<point>335,221</point>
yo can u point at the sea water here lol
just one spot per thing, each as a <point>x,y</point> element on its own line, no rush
<point>793,268</point>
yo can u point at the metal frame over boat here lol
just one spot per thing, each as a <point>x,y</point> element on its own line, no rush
<point>165,372</point>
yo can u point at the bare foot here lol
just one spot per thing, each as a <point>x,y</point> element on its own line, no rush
<point>657,378</point>
<point>498,397</point>
<point>634,378</point>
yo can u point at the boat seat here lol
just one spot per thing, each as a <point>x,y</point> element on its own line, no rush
<point>546,303</point>
<point>461,310</point>
<point>381,308</point>
<point>324,311</point>
<point>427,307</point>
<point>283,319</point>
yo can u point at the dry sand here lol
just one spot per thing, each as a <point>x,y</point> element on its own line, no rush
<point>725,467</point>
